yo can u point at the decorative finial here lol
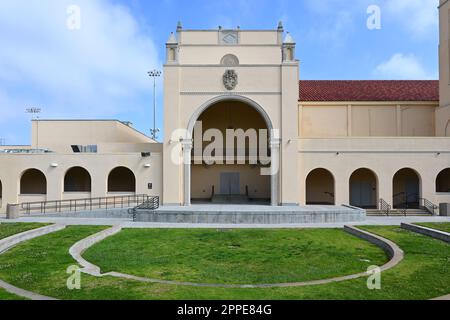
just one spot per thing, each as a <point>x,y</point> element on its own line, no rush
<point>179,26</point>
<point>220,27</point>
<point>280,26</point>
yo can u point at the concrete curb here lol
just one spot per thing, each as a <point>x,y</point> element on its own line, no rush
<point>444,298</point>
<point>436,234</point>
<point>80,247</point>
<point>394,252</point>
<point>10,242</point>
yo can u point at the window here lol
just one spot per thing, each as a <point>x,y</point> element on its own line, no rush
<point>84,149</point>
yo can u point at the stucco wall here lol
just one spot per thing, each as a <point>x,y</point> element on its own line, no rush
<point>384,156</point>
<point>98,165</point>
<point>372,119</point>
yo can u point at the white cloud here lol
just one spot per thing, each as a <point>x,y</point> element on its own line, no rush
<point>97,71</point>
<point>419,17</point>
<point>403,67</point>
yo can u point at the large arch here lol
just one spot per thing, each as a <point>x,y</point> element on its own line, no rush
<point>320,189</point>
<point>406,189</point>
<point>33,182</point>
<point>187,143</point>
<point>364,189</point>
<point>442,181</point>
<point>121,179</point>
<point>77,179</point>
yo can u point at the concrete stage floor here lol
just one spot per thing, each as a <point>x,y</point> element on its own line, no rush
<point>251,214</point>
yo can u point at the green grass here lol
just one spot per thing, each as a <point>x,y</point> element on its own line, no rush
<point>9,229</point>
<point>5,296</point>
<point>442,226</point>
<point>40,264</point>
<point>235,256</point>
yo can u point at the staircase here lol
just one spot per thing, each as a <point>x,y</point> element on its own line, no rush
<point>398,213</point>
<point>230,199</point>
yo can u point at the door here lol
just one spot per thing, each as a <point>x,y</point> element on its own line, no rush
<point>361,194</point>
<point>412,192</point>
<point>230,183</point>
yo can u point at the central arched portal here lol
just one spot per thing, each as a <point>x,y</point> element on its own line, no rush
<point>231,150</point>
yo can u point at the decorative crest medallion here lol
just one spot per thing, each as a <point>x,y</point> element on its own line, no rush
<point>230,79</point>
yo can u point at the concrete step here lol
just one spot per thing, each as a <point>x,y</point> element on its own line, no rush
<point>226,199</point>
<point>395,212</point>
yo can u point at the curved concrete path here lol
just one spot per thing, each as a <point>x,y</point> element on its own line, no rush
<point>394,252</point>
<point>10,242</point>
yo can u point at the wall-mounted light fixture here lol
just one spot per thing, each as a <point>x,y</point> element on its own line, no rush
<point>54,165</point>
<point>147,165</point>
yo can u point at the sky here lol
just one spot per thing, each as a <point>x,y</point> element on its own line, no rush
<point>88,59</point>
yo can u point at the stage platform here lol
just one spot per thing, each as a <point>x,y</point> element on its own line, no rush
<point>252,214</point>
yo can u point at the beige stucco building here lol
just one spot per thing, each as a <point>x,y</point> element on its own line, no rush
<point>328,142</point>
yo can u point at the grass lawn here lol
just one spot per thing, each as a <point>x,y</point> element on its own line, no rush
<point>40,265</point>
<point>442,226</point>
<point>9,229</point>
<point>235,256</point>
<point>5,295</point>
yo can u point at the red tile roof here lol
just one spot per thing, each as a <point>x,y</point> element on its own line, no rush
<point>368,90</point>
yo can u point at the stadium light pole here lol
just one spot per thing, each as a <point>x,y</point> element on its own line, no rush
<point>154,74</point>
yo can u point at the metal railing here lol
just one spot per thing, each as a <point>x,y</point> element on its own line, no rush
<point>152,203</point>
<point>86,204</point>
<point>428,206</point>
<point>385,207</point>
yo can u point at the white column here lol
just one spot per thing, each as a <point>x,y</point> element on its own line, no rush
<point>275,171</point>
<point>187,153</point>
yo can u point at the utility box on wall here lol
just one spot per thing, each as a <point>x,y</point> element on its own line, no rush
<point>444,209</point>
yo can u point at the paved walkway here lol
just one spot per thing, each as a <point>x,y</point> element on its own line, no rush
<point>127,223</point>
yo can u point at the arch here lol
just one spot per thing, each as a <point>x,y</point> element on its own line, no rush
<point>187,143</point>
<point>222,98</point>
<point>77,179</point>
<point>406,189</point>
<point>363,185</point>
<point>33,182</point>
<point>320,187</point>
<point>229,60</point>
<point>442,181</point>
<point>1,191</point>
<point>121,179</point>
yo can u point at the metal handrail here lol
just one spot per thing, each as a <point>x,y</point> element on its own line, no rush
<point>152,203</point>
<point>85,204</point>
<point>428,205</point>
<point>384,206</point>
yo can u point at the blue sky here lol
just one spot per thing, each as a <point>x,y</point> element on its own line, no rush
<point>99,70</point>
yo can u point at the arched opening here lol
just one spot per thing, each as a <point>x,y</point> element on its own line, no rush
<point>77,179</point>
<point>406,188</point>
<point>320,188</point>
<point>229,138</point>
<point>364,189</point>
<point>121,179</point>
<point>443,181</point>
<point>33,182</point>
<point>1,192</point>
